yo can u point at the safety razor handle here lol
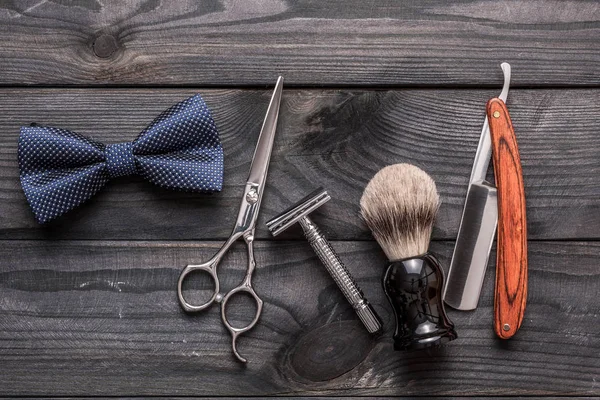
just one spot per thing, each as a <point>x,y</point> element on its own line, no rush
<point>340,275</point>
<point>511,262</point>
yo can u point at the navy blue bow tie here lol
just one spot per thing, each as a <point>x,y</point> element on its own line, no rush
<point>180,149</point>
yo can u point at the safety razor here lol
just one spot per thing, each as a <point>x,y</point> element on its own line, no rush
<point>338,271</point>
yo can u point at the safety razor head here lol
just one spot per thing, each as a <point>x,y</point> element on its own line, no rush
<point>301,209</point>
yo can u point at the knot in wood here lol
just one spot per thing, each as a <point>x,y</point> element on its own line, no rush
<point>105,45</point>
<point>330,351</point>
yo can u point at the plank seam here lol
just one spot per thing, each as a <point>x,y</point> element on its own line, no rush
<point>292,86</point>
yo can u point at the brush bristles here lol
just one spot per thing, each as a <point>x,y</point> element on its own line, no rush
<point>400,205</point>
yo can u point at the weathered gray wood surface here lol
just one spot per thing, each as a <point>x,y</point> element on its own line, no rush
<point>101,318</point>
<point>337,397</point>
<point>337,139</point>
<point>345,397</point>
<point>311,42</point>
<point>88,305</point>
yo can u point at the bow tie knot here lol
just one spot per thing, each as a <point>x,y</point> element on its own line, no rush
<point>61,169</point>
<point>120,160</point>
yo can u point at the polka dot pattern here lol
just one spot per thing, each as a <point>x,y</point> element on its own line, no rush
<point>61,169</point>
<point>120,160</point>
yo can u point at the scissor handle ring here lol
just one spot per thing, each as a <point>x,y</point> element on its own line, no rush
<point>235,332</point>
<point>211,270</point>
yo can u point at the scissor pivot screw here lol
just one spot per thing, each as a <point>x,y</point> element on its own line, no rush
<point>252,196</point>
<point>496,114</point>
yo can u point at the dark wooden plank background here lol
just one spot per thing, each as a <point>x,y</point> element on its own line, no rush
<point>311,42</point>
<point>98,311</point>
<point>337,139</point>
<point>87,303</point>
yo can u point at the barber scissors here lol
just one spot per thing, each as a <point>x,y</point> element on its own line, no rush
<point>244,228</point>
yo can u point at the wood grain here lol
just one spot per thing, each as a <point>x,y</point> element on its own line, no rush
<point>337,139</point>
<point>511,262</point>
<point>337,397</point>
<point>223,42</point>
<point>88,305</point>
<point>75,315</point>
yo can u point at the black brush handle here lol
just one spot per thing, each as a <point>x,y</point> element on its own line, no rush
<point>414,288</point>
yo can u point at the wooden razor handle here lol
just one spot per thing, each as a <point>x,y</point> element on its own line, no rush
<point>511,262</point>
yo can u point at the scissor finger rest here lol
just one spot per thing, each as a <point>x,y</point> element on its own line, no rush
<point>209,268</point>
<point>235,332</point>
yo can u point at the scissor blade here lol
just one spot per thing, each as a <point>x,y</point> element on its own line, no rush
<point>262,154</point>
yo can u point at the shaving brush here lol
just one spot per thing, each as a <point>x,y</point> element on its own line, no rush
<point>399,205</point>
